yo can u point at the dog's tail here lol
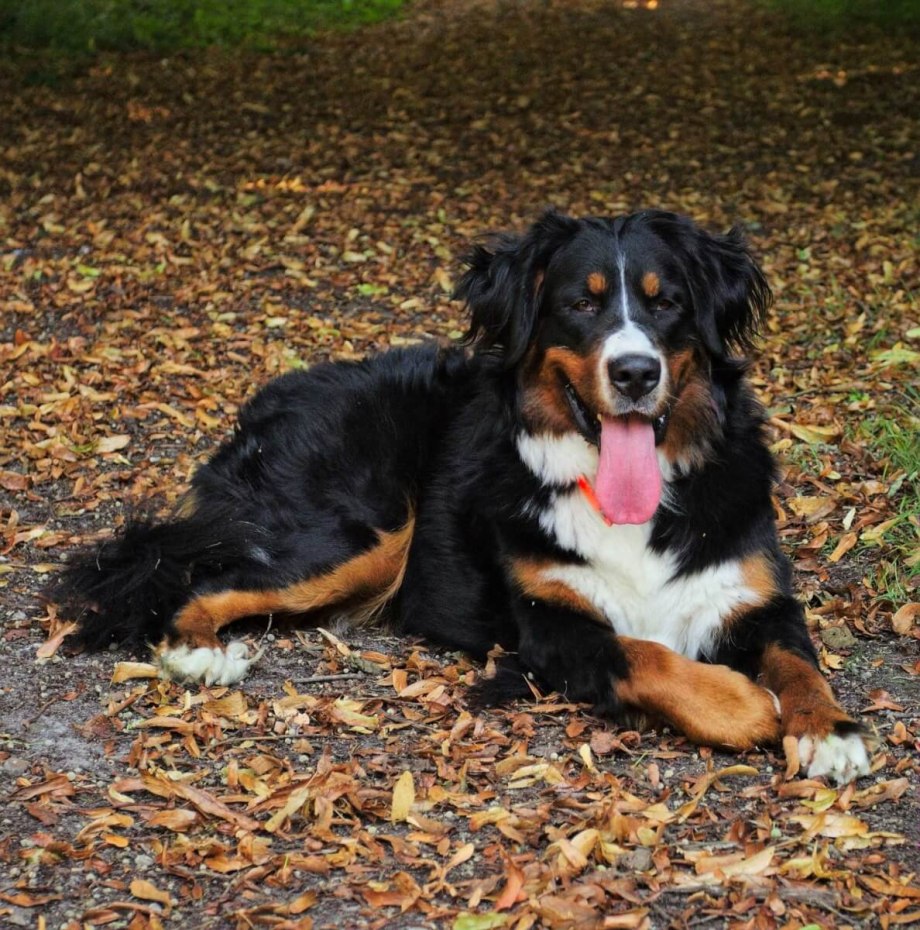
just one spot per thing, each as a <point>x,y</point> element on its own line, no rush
<point>127,589</point>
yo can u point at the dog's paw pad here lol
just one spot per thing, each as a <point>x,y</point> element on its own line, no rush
<point>213,666</point>
<point>840,758</point>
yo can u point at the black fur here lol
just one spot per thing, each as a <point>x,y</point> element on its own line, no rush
<point>323,461</point>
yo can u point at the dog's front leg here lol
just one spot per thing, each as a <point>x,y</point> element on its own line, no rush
<point>772,641</point>
<point>828,741</point>
<point>576,653</point>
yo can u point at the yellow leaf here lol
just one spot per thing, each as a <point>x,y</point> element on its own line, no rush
<point>124,671</point>
<point>443,280</point>
<point>112,443</point>
<point>492,815</point>
<point>875,533</point>
<point>293,804</point>
<point>403,797</point>
<point>463,854</point>
<point>50,646</point>
<point>752,865</point>
<point>846,543</point>
<point>814,434</point>
<point>812,508</point>
<point>178,819</point>
<point>230,705</point>
<point>831,824</point>
<point>585,841</point>
<point>347,711</point>
<point>146,891</point>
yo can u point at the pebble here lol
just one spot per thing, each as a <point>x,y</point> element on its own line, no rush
<point>15,766</point>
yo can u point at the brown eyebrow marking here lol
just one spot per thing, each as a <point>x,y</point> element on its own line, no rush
<point>651,284</point>
<point>597,282</point>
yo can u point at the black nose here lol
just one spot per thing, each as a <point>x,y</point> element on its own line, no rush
<point>635,375</point>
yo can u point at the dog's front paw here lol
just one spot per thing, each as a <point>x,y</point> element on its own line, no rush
<point>841,757</point>
<point>212,666</point>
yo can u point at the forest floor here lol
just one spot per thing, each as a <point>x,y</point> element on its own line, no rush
<point>175,231</point>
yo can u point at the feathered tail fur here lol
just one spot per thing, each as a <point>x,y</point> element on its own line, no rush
<point>127,589</point>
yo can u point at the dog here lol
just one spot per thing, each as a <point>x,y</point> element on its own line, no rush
<point>585,482</point>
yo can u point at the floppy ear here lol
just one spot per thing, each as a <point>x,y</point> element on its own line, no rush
<point>501,286</point>
<point>732,297</point>
<point>729,291</point>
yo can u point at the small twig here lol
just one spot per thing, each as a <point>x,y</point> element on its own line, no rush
<point>815,896</point>
<point>315,679</point>
<point>706,920</point>
<point>41,710</point>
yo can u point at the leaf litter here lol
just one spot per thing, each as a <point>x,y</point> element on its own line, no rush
<point>176,231</point>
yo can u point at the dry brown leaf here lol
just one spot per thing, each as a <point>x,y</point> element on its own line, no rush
<point>48,648</point>
<point>905,618</point>
<point>844,545</point>
<point>147,891</point>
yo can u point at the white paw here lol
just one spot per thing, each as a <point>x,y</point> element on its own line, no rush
<point>840,758</point>
<point>212,666</point>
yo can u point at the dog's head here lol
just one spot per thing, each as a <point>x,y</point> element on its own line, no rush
<point>614,328</point>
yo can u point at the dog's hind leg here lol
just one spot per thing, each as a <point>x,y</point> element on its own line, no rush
<point>360,586</point>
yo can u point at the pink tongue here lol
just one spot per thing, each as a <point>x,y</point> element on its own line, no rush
<point>628,484</point>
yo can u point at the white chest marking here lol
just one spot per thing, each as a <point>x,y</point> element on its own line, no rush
<point>634,587</point>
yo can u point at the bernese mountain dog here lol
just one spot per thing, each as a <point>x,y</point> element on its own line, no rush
<point>585,483</point>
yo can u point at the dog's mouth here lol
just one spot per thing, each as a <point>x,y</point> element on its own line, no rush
<point>589,423</point>
<point>627,487</point>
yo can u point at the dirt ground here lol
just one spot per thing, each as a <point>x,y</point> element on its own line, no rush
<point>174,231</point>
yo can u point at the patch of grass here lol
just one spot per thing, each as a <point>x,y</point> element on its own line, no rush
<point>808,457</point>
<point>849,14</point>
<point>894,438</point>
<point>76,26</point>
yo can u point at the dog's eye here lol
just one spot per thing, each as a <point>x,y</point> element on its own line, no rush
<point>584,305</point>
<point>662,303</point>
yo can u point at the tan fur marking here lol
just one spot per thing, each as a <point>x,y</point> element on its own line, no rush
<point>597,283</point>
<point>362,585</point>
<point>651,284</point>
<point>529,576</point>
<point>681,365</point>
<point>544,405</point>
<point>711,704</point>
<point>805,698</point>
<point>760,576</point>
<point>693,417</point>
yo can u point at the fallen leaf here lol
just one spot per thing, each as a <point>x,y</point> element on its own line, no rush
<point>905,618</point>
<point>403,797</point>
<point>146,891</point>
<point>112,443</point>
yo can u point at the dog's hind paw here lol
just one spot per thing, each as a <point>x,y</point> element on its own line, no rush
<point>212,666</point>
<point>841,758</point>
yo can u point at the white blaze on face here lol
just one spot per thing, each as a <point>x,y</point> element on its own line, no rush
<point>629,339</point>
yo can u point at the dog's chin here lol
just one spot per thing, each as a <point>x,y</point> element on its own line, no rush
<point>588,421</point>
